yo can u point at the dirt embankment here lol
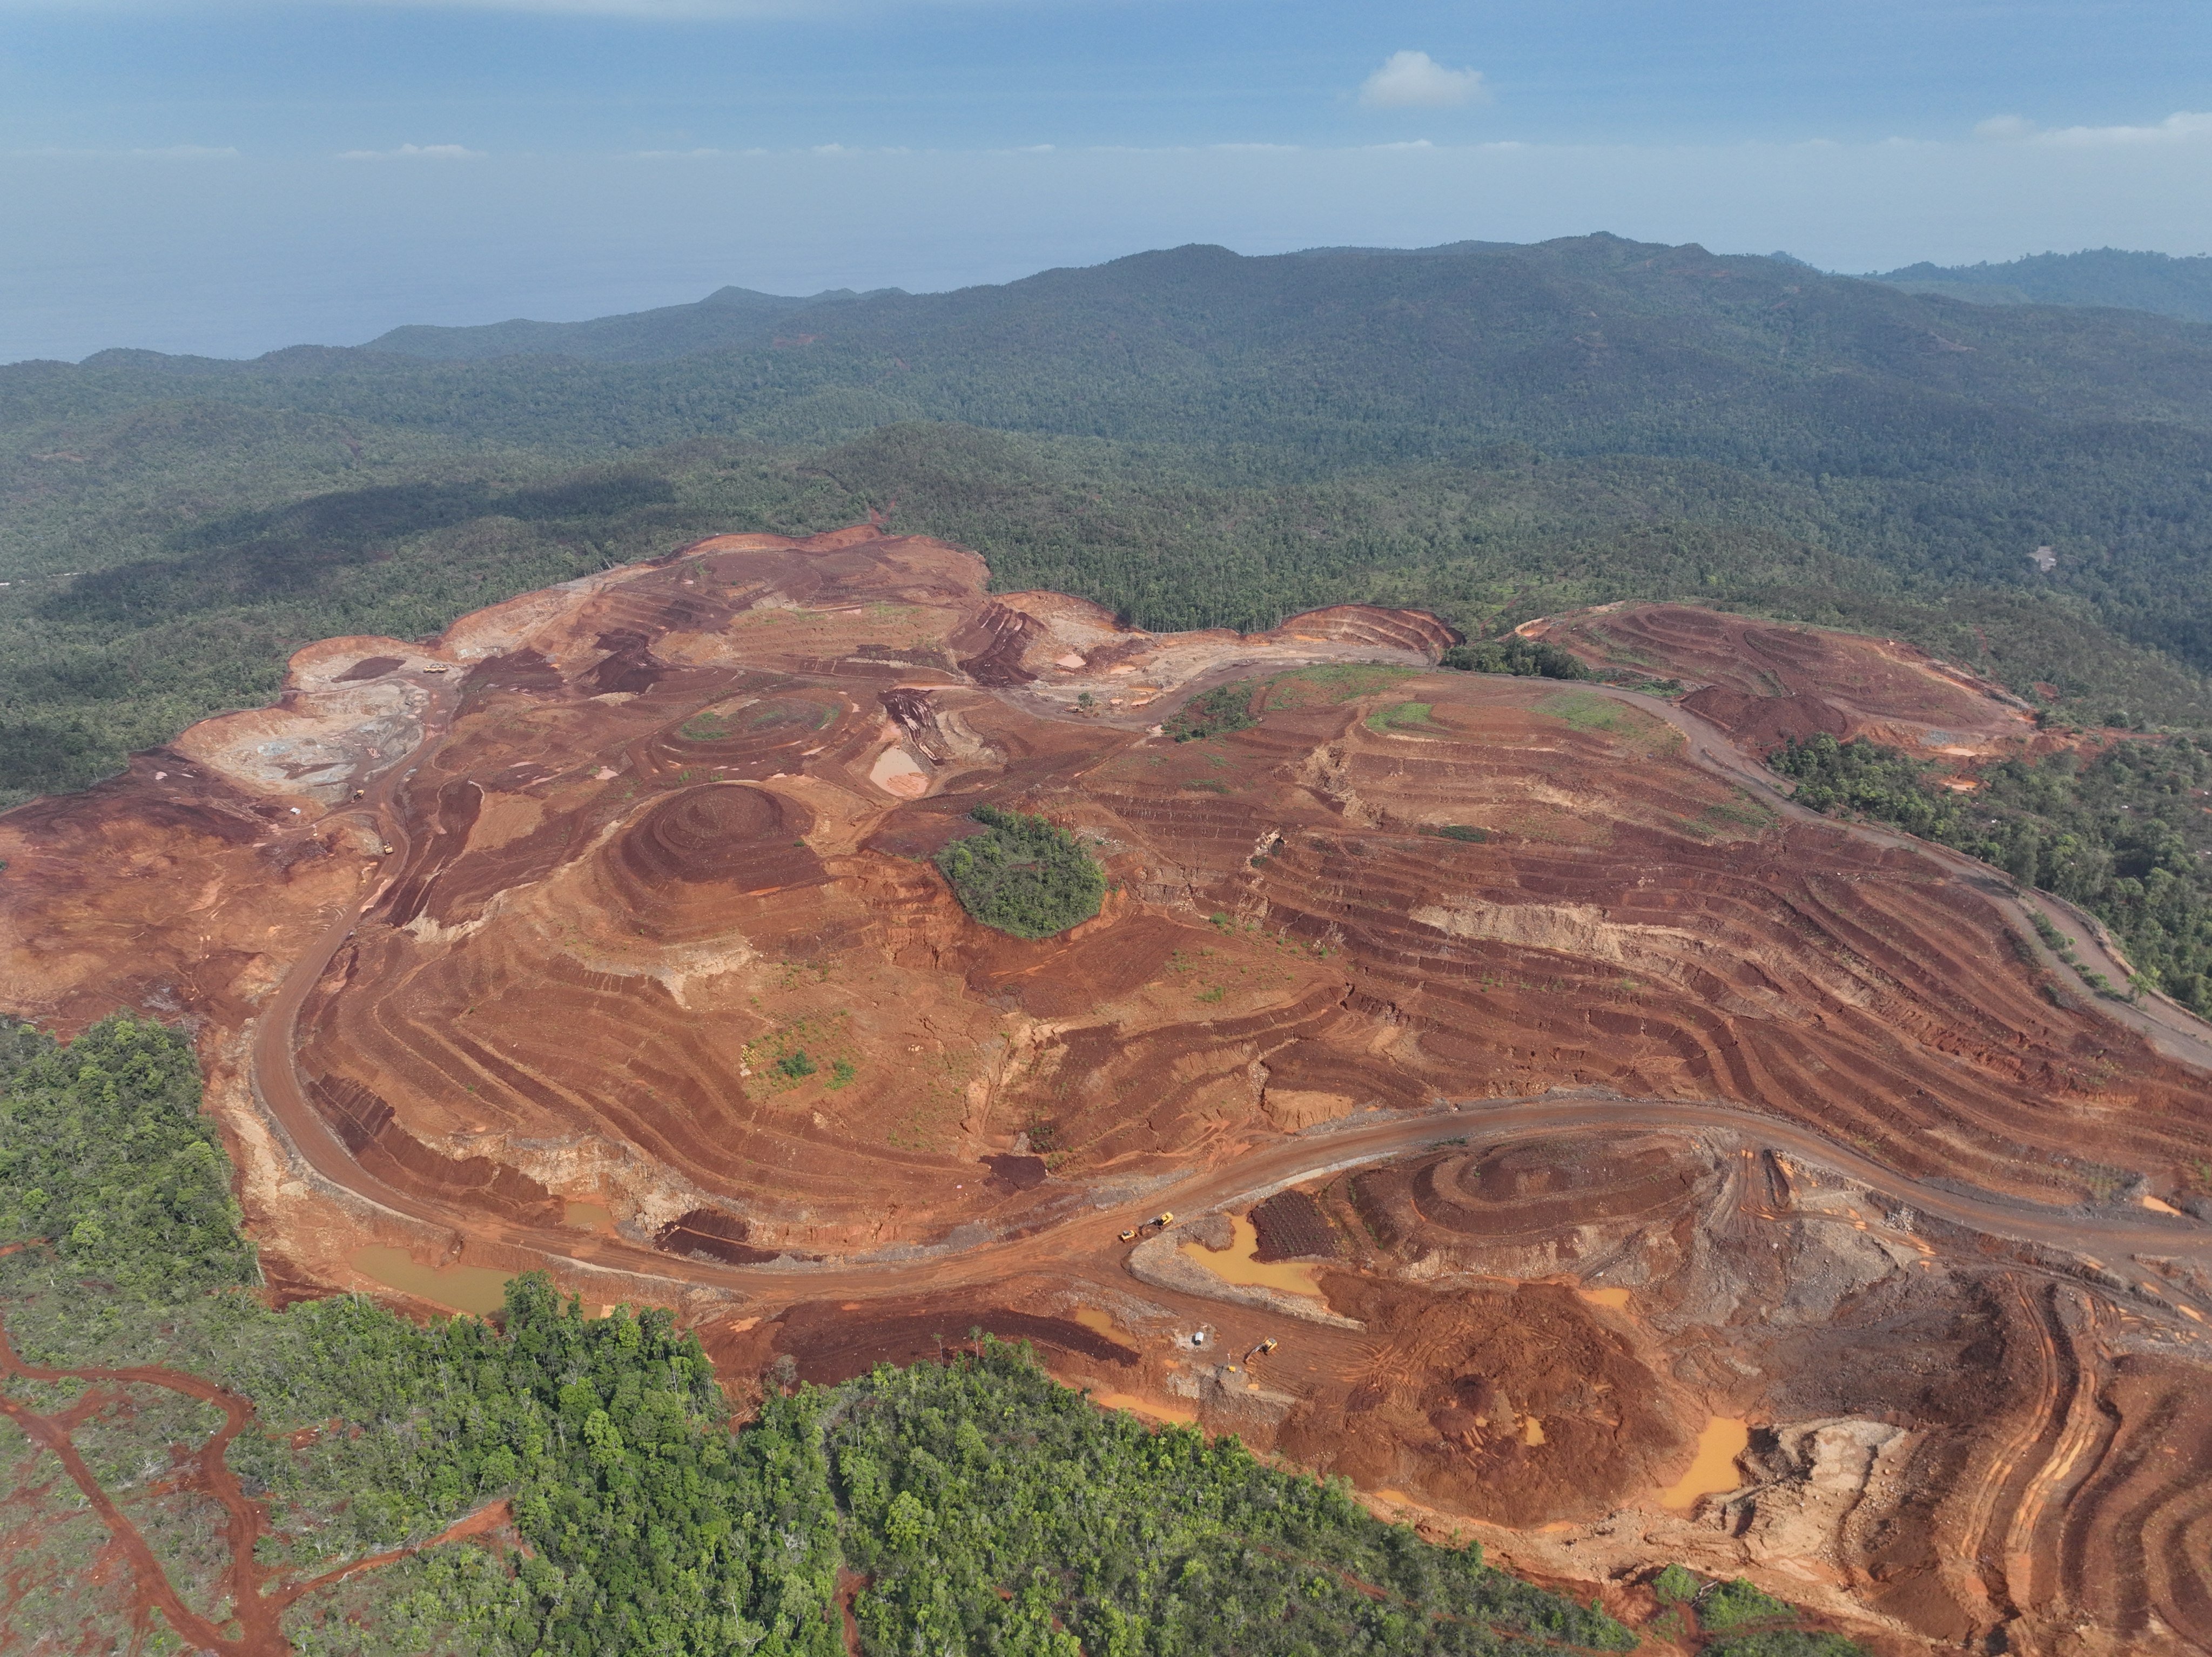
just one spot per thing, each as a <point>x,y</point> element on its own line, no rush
<point>1967,1441</point>
<point>1770,683</point>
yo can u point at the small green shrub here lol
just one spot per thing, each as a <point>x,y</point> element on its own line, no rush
<point>1585,710</point>
<point>1400,716</point>
<point>797,1066</point>
<point>1675,1584</point>
<point>1461,831</point>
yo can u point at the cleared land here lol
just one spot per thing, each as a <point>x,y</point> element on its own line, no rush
<point>657,938</point>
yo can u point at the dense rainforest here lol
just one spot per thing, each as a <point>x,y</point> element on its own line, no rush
<point>972,1506</point>
<point>1190,437</point>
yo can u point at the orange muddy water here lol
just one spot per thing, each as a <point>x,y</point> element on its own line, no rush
<point>1235,1264</point>
<point>1722,1440</point>
<point>475,1289</point>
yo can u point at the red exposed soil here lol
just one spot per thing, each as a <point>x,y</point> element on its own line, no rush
<point>1442,1406</point>
<point>657,928</point>
<point>1769,682</point>
<point>828,1344</point>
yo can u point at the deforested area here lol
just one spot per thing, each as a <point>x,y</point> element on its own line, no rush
<point>550,1481</point>
<point>2124,829</point>
<point>1496,949</point>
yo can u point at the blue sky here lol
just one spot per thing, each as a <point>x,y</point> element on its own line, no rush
<point>231,177</point>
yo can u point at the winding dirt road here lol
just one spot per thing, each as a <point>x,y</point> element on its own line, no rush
<point>1086,1245</point>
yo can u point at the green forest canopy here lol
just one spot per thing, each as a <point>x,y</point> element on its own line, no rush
<point>2174,286</point>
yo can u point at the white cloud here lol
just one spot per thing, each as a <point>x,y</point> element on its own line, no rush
<point>2178,127</point>
<point>415,153</point>
<point>1413,79</point>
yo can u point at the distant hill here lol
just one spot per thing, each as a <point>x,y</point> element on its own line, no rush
<point>1188,436</point>
<point>2137,281</point>
<point>728,317</point>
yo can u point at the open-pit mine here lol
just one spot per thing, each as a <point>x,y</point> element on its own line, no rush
<point>1625,1165</point>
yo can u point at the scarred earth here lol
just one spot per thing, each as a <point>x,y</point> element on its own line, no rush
<point>1628,1096</point>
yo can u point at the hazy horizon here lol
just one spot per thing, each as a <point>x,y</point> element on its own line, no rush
<point>229,176</point>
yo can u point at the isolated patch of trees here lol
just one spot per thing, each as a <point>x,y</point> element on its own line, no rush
<point>105,1155</point>
<point>1214,712</point>
<point>1022,875</point>
<point>1527,659</point>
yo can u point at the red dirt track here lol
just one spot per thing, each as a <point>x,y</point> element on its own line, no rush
<point>256,1596</point>
<point>1799,1090</point>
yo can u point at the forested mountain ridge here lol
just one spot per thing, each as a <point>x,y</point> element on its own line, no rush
<point>1190,436</point>
<point>2103,276</point>
<point>1343,353</point>
<point>727,317</point>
